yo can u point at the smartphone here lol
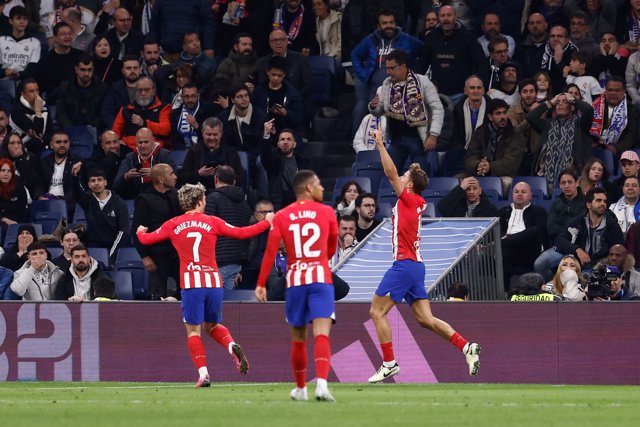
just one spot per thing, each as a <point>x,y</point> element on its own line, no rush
<point>212,164</point>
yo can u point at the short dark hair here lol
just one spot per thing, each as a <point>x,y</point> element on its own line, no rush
<point>527,82</point>
<point>581,14</point>
<point>591,194</point>
<point>347,218</point>
<point>27,81</point>
<point>581,56</point>
<point>96,172</point>
<point>279,63</point>
<point>129,58</point>
<point>494,104</point>
<point>61,24</point>
<point>226,174</point>
<point>104,287</point>
<point>616,79</point>
<point>458,290</point>
<point>149,40</point>
<point>301,180</point>
<point>239,36</point>
<point>237,88</point>
<point>36,246</point>
<point>189,85</point>
<point>362,196</point>
<point>85,59</point>
<point>418,177</point>
<point>497,39</point>
<point>79,247</point>
<point>188,33</point>
<point>630,177</point>
<point>569,171</point>
<point>400,56</point>
<point>385,12</point>
<point>19,11</point>
<point>287,130</point>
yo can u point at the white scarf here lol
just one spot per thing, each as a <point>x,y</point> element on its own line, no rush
<point>467,120</point>
<point>23,133</point>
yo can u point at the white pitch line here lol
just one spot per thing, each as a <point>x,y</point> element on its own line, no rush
<point>92,385</point>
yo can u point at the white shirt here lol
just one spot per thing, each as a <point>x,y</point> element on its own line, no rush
<point>56,179</point>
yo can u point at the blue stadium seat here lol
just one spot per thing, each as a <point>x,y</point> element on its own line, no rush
<point>538,184</point>
<point>368,156</point>
<point>322,62</point>
<point>130,208</point>
<point>124,284</point>
<point>374,172</point>
<point>364,182</point>
<point>178,157</point>
<point>7,94</point>
<point>384,210</point>
<point>12,233</point>
<point>79,217</point>
<point>607,159</point>
<point>386,193</point>
<point>128,259</point>
<point>544,203</point>
<point>491,183</point>
<point>245,295</point>
<point>47,206</point>
<point>431,210</point>
<point>100,255</point>
<point>54,251</point>
<point>321,86</point>
<point>439,186</point>
<point>83,140</point>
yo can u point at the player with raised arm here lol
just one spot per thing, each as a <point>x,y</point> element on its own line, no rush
<point>194,236</point>
<point>405,279</point>
<point>309,230</point>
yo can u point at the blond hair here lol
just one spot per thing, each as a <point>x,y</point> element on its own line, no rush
<point>558,287</point>
<point>189,195</point>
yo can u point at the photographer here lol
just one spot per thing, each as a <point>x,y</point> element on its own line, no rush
<point>605,284</point>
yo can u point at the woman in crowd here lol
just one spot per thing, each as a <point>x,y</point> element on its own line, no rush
<point>13,196</point>
<point>172,92</point>
<point>27,165</point>
<point>543,81</point>
<point>15,257</point>
<point>346,201</point>
<point>328,33</point>
<point>594,174</point>
<point>568,280</point>
<point>108,68</point>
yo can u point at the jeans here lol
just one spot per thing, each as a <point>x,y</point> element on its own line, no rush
<point>229,273</point>
<point>547,263</point>
<point>407,146</point>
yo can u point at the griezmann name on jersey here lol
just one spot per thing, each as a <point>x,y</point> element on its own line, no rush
<point>406,221</point>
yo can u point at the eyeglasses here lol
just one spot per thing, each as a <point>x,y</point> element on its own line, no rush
<point>393,67</point>
<point>265,212</point>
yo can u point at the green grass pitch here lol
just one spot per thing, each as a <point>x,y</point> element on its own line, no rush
<point>46,404</point>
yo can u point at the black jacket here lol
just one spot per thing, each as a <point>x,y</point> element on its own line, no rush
<point>299,72</point>
<point>28,166</point>
<point>454,204</point>
<point>229,204</point>
<point>133,43</point>
<point>528,243</point>
<point>562,211</point>
<point>152,209</point>
<point>65,289</point>
<point>251,133</point>
<point>205,110</point>
<point>108,162</point>
<point>280,192</point>
<point>74,111</point>
<point>195,159</point>
<point>15,207</point>
<point>116,97</point>
<point>47,167</point>
<point>508,154</point>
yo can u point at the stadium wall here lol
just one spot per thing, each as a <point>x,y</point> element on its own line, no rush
<point>570,343</point>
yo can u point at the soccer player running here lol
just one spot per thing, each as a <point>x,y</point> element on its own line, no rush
<point>309,230</point>
<point>194,236</point>
<point>405,278</point>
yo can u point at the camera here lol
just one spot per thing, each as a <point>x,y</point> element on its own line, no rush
<point>599,283</point>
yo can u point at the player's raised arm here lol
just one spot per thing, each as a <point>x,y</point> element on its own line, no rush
<point>389,167</point>
<point>228,230</point>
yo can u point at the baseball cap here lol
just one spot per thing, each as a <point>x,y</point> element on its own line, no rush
<point>630,155</point>
<point>506,65</point>
<point>612,270</point>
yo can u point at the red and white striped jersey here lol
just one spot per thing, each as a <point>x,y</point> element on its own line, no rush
<point>194,236</point>
<point>406,221</point>
<point>310,233</point>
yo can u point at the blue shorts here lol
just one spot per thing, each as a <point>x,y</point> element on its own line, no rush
<point>308,302</point>
<point>202,305</point>
<point>404,280</point>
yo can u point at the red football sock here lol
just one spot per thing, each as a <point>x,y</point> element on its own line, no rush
<point>221,335</point>
<point>299,362</point>
<point>322,356</point>
<point>387,351</point>
<point>457,340</point>
<point>198,354</point>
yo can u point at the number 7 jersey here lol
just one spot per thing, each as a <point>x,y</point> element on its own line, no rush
<point>194,236</point>
<point>310,233</point>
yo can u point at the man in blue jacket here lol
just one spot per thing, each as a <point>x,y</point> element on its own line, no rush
<point>368,59</point>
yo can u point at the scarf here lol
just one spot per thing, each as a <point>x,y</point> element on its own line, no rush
<point>618,121</point>
<point>31,116</point>
<point>294,27</point>
<point>495,139</point>
<point>547,57</point>
<point>467,120</point>
<point>188,134</point>
<point>633,28</point>
<point>406,102</point>
<point>559,147</point>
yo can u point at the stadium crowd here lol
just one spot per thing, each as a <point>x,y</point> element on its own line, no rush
<point>107,107</point>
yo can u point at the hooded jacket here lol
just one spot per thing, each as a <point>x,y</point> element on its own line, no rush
<point>70,284</point>
<point>25,286</point>
<point>238,68</point>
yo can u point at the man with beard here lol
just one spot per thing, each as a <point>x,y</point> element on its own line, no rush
<point>366,210</point>
<point>467,200</point>
<point>495,148</point>
<point>490,29</point>
<point>150,59</point>
<point>517,113</point>
<point>108,156</point>
<point>186,120</point>
<point>507,88</point>
<point>122,91</point>
<point>75,285</point>
<point>56,171</point>
<point>299,24</point>
<point>241,64</point>
<point>81,97</point>
<point>147,111</point>
<point>531,50</point>
<point>57,65</point>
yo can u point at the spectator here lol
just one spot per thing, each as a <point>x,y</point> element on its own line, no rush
<point>15,64</point>
<point>545,91</point>
<point>557,54</point>
<point>576,73</point>
<point>551,10</point>
<point>495,148</point>
<point>30,117</point>
<point>107,214</point>
<point>257,247</point>
<point>298,23</point>
<point>568,281</point>
<point>108,68</point>
<point>170,20</point>
<point>498,55</point>
<point>77,283</point>
<point>134,173</point>
<point>186,120</point>
<point>13,196</point>
<point>82,35</point>
<point>146,111</point>
<point>370,55</point>
<point>5,29</point>
<point>490,29</point>
<point>580,33</point>
<point>203,158</point>
<point>5,129</point>
<point>530,287</point>
<point>57,65</point>
<point>507,88</point>
<point>150,59</point>
<point>172,91</point>
<point>80,98</point>
<point>608,62</point>
<point>458,291</point>
<point>346,239</point>
<point>414,111</point>
<point>49,20</point>
<point>68,241</point>
<point>281,162</point>
<point>629,166</point>
<point>363,140</point>
<point>328,29</point>
<point>516,114</point>
<point>524,233</point>
<point>17,254</point>
<point>203,66</point>
<point>26,164</point>
<point>617,291</point>
<point>346,201</point>
<point>626,208</point>
<point>365,215</point>
<point>243,122</point>
<point>6,275</point>
<point>594,174</point>
<point>279,98</point>
<point>628,26</point>
<point>38,277</point>
<point>469,114</point>
<point>227,202</point>
<point>467,200</point>
<point>602,13</point>
<point>452,53</point>
<point>122,91</point>
<point>622,119</point>
<point>153,207</point>
<point>590,237</point>
<point>619,257</point>
<point>56,171</point>
<point>241,65</point>
<point>570,204</point>
<point>531,50</point>
<point>108,156</point>
<point>123,39</point>
<point>564,139</point>
<point>104,289</point>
